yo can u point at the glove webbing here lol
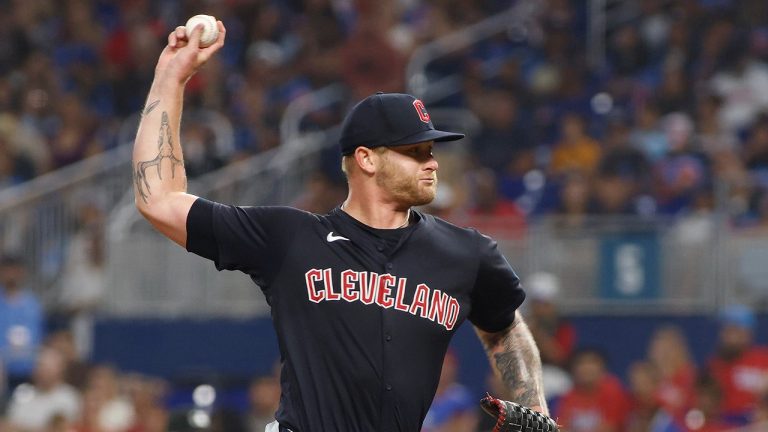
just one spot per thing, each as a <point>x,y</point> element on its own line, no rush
<point>513,417</point>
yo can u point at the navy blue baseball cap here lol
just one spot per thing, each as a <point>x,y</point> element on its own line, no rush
<point>388,120</point>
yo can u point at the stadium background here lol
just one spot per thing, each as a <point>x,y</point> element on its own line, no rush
<point>619,148</point>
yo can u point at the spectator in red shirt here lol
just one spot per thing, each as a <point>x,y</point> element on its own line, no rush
<point>738,366</point>
<point>597,402</point>
<point>704,414</point>
<point>760,415</point>
<point>647,414</point>
<point>554,335</point>
<point>668,353</point>
<point>488,210</point>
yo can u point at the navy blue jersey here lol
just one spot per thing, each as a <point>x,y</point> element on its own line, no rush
<point>363,316</point>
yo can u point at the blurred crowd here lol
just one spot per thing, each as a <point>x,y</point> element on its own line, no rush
<point>49,386</point>
<point>669,117</point>
<point>74,73</point>
<point>65,394</point>
<point>665,391</point>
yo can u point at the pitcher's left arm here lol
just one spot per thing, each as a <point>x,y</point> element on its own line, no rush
<point>514,357</point>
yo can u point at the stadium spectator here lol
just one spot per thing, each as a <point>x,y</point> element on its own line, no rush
<point>646,413</point>
<point>58,423</point>
<point>683,171</point>
<point>574,201</point>
<point>82,279</point>
<point>627,52</point>
<point>554,334</point>
<point>263,402</point>
<point>21,321</point>
<point>146,396</point>
<point>669,356</point>
<point>647,135</point>
<point>77,369</point>
<point>759,417</point>
<point>503,138</point>
<point>15,167</point>
<point>75,137</point>
<point>739,366</point>
<point>743,85</point>
<point>34,405</point>
<point>705,413</point>
<point>674,94</point>
<point>756,146</point>
<point>200,153</point>
<point>487,210</point>
<point>711,137</point>
<point>369,61</point>
<point>621,158</point>
<point>105,407</point>
<point>453,408</point>
<point>320,194</point>
<point>576,150</point>
<point>597,402</point>
<point>614,194</point>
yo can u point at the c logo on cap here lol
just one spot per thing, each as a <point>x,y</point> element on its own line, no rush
<point>421,110</point>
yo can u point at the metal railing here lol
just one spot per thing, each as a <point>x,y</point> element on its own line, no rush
<point>299,108</point>
<point>606,265</point>
<point>518,21</point>
<point>150,276</point>
<point>39,218</point>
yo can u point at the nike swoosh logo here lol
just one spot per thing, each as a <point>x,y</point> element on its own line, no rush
<point>332,238</point>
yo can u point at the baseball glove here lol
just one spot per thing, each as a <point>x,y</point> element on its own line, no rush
<point>513,417</point>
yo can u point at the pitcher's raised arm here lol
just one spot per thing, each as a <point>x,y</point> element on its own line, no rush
<point>159,178</point>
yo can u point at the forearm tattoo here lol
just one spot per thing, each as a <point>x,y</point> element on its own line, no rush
<point>150,107</point>
<point>516,357</point>
<point>165,151</point>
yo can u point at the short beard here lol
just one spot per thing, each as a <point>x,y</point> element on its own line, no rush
<point>404,189</point>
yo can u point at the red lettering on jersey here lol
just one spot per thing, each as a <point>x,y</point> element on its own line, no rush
<point>384,296</point>
<point>438,306</point>
<point>312,276</point>
<point>328,278</point>
<point>421,110</point>
<point>348,292</point>
<point>399,305</point>
<point>420,299</point>
<point>368,290</point>
<point>370,287</point>
<point>453,313</point>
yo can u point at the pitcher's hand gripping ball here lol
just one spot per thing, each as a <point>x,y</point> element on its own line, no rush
<point>513,417</point>
<point>210,29</point>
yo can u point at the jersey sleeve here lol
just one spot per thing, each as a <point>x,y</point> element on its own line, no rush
<point>248,239</point>
<point>497,292</point>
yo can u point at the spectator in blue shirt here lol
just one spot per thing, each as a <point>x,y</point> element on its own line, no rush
<point>21,321</point>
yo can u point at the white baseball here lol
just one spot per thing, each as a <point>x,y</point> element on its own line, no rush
<point>210,29</point>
